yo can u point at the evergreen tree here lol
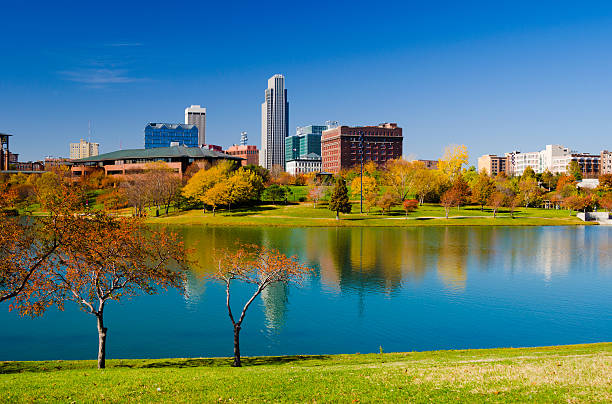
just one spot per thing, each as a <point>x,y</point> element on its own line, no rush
<point>339,201</point>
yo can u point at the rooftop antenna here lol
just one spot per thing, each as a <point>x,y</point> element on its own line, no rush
<point>332,124</point>
<point>243,138</point>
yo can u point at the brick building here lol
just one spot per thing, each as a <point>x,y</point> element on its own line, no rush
<point>492,164</point>
<point>341,146</point>
<point>430,164</point>
<point>249,153</point>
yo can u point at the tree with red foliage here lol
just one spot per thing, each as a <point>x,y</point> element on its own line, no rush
<point>450,198</point>
<point>575,202</point>
<point>410,205</point>
<point>107,259</point>
<point>497,200</point>
<point>26,245</point>
<point>260,267</point>
<point>606,202</point>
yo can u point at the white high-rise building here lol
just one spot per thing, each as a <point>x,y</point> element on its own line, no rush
<point>274,123</point>
<point>83,149</point>
<point>196,115</point>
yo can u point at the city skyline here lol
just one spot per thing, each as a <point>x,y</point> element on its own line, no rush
<point>479,74</point>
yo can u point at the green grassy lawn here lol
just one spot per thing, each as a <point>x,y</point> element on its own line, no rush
<point>305,215</point>
<point>576,374</point>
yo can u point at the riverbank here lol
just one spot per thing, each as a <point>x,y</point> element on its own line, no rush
<point>573,373</point>
<point>305,215</point>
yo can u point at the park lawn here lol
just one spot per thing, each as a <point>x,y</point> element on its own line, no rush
<point>305,215</point>
<point>575,373</point>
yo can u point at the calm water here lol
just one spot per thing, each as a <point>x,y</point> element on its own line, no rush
<point>402,289</point>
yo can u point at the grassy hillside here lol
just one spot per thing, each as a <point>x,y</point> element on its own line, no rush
<point>577,373</point>
<point>304,214</point>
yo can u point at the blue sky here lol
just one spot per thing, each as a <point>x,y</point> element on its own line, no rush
<point>496,76</point>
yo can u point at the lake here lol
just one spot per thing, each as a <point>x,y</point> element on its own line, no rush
<point>402,289</point>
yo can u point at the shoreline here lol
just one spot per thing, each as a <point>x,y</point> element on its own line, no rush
<point>571,373</point>
<point>304,215</point>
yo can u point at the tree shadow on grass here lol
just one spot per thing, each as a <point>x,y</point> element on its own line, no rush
<point>227,362</point>
<point>54,366</point>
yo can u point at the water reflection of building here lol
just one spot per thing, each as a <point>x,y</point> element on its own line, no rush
<point>275,300</point>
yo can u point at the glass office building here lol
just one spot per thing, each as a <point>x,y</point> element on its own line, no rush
<point>307,140</point>
<point>165,134</point>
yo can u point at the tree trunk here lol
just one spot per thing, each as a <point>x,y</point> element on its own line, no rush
<point>213,210</point>
<point>101,341</point>
<point>237,362</point>
<point>337,216</point>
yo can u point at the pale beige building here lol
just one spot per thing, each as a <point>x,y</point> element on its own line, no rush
<point>84,149</point>
<point>492,164</point>
<point>605,162</point>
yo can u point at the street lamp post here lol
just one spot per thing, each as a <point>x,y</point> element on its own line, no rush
<point>361,178</point>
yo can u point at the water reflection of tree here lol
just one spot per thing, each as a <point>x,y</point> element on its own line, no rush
<point>452,257</point>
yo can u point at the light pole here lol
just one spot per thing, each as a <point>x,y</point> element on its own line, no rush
<point>361,178</point>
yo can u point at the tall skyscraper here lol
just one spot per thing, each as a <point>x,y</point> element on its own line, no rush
<point>274,123</point>
<point>83,149</point>
<point>196,115</point>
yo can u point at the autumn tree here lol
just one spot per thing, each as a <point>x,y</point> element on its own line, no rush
<point>574,202</point>
<point>339,200</point>
<point>400,176</point>
<point>497,200</point>
<point>529,190</point>
<point>410,205</point>
<point>259,267</point>
<point>216,196</point>
<point>370,190</point>
<point>605,182</point>
<point>528,173</point>
<point>316,193</point>
<point>203,180</point>
<point>548,178</point>
<point>161,183</point>
<point>606,202</point>
<point>450,198</point>
<point>461,190</point>
<point>27,246</point>
<point>136,193</point>
<point>243,185</point>
<point>425,183</point>
<point>114,259</point>
<point>573,169</point>
<point>482,188</point>
<point>453,160</point>
<point>387,201</point>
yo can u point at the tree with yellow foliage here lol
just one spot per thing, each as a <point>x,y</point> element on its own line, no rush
<point>370,190</point>
<point>401,176</point>
<point>453,160</point>
<point>204,180</point>
<point>219,194</point>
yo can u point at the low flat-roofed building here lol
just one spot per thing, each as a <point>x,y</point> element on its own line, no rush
<point>249,153</point>
<point>310,163</point>
<point>430,164</point>
<point>133,161</point>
